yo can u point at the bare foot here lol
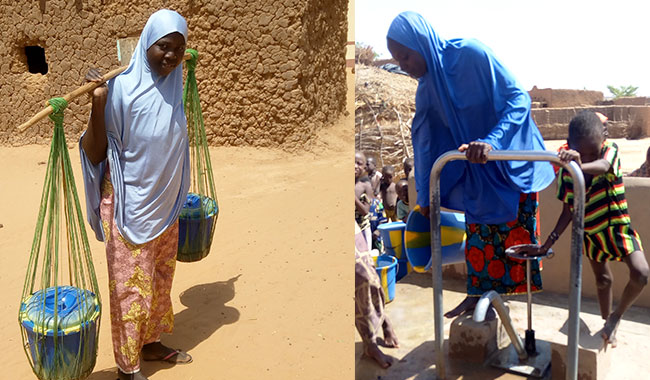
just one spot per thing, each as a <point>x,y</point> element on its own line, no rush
<point>390,338</point>
<point>468,304</point>
<point>130,376</point>
<point>156,351</point>
<point>372,351</point>
<point>609,329</point>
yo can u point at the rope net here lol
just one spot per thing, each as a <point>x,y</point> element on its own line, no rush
<point>60,307</point>
<point>198,217</point>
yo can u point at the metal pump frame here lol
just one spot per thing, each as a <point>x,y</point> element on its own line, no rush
<point>576,247</point>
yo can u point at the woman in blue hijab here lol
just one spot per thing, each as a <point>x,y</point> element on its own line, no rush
<point>467,100</point>
<point>135,161</point>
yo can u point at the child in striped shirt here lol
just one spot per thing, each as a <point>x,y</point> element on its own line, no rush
<point>608,235</point>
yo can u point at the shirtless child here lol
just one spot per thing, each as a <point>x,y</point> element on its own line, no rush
<point>373,174</point>
<point>388,192</point>
<point>363,196</point>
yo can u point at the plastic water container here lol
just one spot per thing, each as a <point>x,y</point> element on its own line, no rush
<point>417,239</point>
<point>387,272</point>
<point>196,227</point>
<point>403,268</point>
<point>392,236</point>
<point>77,313</point>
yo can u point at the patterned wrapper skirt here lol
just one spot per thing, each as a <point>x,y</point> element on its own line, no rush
<point>488,267</point>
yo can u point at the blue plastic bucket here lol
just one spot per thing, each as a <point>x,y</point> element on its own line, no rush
<point>417,239</point>
<point>403,268</point>
<point>78,311</point>
<point>392,236</point>
<point>387,271</point>
<point>196,227</point>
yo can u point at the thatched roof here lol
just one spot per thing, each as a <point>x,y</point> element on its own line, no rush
<point>384,109</point>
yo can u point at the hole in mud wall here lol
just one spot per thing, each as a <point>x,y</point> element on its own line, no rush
<point>36,63</point>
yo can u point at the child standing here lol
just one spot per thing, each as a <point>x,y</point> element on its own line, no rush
<point>408,166</point>
<point>402,188</point>
<point>608,234</point>
<point>388,192</point>
<point>373,174</point>
<point>362,197</point>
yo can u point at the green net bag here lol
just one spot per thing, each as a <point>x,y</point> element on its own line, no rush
<point>60,308</point>
<point>198,216</point>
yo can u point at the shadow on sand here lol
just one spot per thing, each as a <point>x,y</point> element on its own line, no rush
<point>206,312</point>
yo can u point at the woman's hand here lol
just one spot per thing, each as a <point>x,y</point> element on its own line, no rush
<point>476,151</point>
<point>101,92</point>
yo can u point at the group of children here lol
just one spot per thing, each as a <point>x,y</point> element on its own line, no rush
<point>385,199</point>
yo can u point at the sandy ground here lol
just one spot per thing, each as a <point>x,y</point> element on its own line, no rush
<point>274,297</point>
<point>411,313</point>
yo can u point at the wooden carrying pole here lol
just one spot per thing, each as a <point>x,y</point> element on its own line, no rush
<point>77,93</point>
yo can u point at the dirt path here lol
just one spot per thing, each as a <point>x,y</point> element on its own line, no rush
<point>274,297</point>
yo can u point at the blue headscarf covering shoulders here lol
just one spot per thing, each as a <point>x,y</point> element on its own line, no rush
<point>148,150</point>
<point>468,95</point>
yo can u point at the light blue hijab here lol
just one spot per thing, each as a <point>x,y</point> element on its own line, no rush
<point>468,95</point>
<point>148,150</point>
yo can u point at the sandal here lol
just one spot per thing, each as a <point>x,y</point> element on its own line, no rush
<point>173,357</point>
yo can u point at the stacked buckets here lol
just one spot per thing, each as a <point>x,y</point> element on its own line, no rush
<point>392,236</point>
<point>393,265</point>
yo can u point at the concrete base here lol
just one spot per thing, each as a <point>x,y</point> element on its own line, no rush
<point>593,363</point>
<point>473,341</point>
<point>534,366</point>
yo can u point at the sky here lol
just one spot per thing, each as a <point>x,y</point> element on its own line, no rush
<point>570,44</point>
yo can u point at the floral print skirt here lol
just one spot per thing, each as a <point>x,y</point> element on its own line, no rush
<point>488,267</point>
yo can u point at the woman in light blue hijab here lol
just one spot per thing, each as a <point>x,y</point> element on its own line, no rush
<point>467,100</point>
<point>135,161</point>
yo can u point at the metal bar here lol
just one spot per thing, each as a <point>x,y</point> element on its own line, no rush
<point>481,309</point>
<point>530,296</point>
<point>576,247</point>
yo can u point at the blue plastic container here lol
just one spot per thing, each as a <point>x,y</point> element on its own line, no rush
<point>392,237</point>
<point>196,227</point>
<point>77,311</point>
<point>417,239</point>
<point>387,271</point>
<point>403,268</point>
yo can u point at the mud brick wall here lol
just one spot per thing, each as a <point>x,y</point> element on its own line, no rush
<point>270,73</point>
<point>624,121</point>
<point>550,97</point>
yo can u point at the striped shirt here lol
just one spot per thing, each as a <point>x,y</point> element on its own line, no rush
<point>605,202</point>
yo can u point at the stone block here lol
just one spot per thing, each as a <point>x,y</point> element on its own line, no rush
<point>473,341</point>
<point>594,359</point>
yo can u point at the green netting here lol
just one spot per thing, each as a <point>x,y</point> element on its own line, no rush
<point>60,308</point>
<point>198,217</point>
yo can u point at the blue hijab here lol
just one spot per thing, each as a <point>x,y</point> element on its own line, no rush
<point>468,95</point>
<point>148,151</point>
